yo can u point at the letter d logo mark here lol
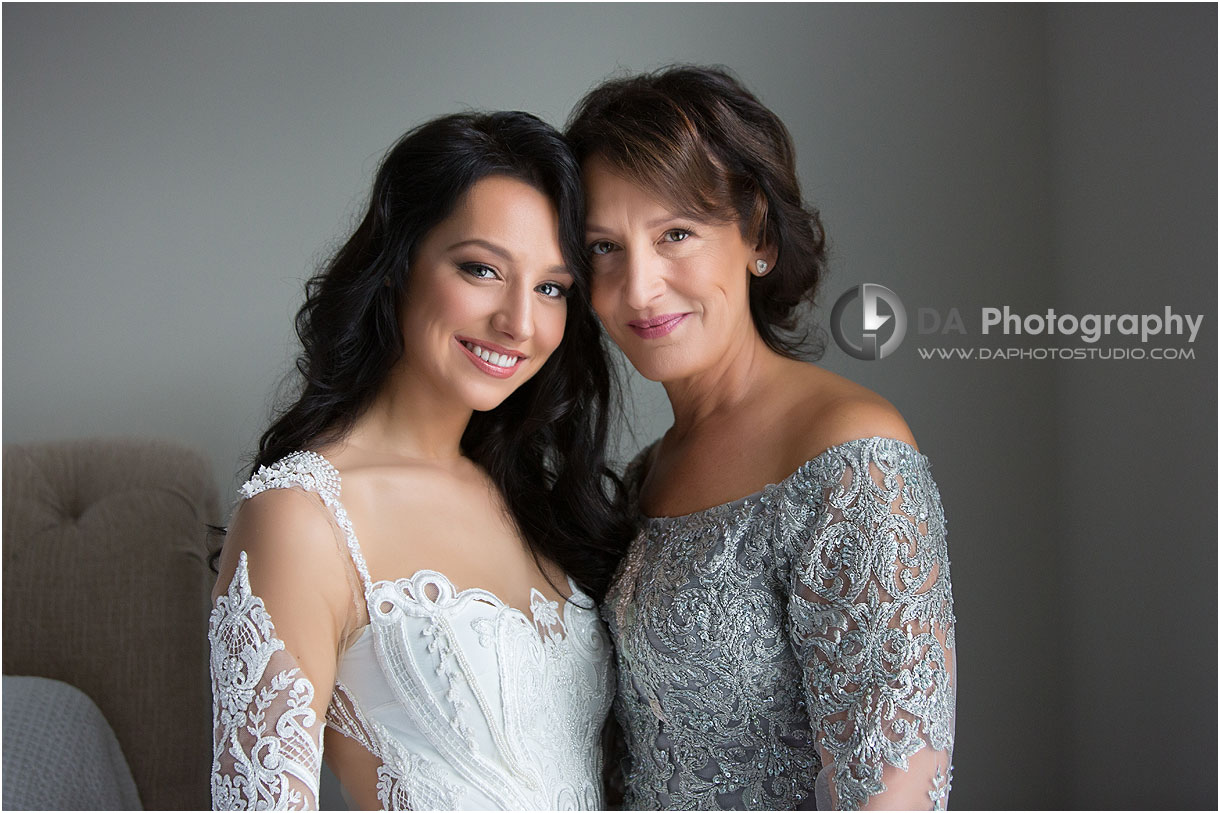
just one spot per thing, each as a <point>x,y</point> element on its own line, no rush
<point>870,347</point>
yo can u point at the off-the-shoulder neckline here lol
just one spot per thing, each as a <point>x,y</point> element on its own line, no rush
<point>800,470</point>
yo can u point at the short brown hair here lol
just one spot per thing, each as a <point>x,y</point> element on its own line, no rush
<point>697,138</point>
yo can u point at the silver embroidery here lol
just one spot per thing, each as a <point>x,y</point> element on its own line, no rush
<point>942,783</point>
<point>835,581</point>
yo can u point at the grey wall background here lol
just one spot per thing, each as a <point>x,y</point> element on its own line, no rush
<point>173,173</point>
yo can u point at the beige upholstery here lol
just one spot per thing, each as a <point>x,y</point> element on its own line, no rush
<point>106,587</point>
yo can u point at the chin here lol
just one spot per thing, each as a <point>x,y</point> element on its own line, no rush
<point>487,398</point>
<point>664,364</point>
<point>488,402</point>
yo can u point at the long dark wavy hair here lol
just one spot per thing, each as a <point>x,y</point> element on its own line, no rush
<point>544,446</point>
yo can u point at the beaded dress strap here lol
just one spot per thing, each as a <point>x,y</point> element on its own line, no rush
<point>312,472</point>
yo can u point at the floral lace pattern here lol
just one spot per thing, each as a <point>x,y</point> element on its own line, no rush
<point>475,704</point>
<point>814,617</point>
<point>267,746</point>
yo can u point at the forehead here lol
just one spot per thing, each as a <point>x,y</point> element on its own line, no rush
<point>505,206</point>
<point>502,221</point>
<point>617,200</point>
<point>700,197</point>
<point>607,185</point>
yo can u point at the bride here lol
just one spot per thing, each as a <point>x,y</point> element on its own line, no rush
<point>411,574</point>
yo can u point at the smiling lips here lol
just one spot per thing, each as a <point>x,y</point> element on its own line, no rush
<point>496,361</point>
<point>657,326</point>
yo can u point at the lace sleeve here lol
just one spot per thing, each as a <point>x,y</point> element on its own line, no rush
<point>267,746</point>
<point>872,625</point>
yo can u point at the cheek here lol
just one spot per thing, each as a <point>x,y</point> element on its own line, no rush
<point>447,305</point>
<point>452,301</point>
<point>434,310</point>
<point>713,282</point>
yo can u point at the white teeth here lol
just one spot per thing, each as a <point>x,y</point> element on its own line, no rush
<point>491,357</point>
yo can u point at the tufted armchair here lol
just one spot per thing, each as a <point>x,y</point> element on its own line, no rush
<point>106,588</point>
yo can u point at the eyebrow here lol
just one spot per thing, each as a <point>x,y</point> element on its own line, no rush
<point>505,254</point>
<point>492,247</point>
<point>651,224</point>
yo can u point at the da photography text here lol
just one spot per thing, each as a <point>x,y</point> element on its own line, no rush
<point>1090,327</point>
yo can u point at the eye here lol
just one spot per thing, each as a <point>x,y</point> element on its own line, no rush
<point>479,270</point>
<point>675,235</point>
<point>552,290</point>
<point>601,247</point>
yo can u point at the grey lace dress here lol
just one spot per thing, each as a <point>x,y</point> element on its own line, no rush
<point>793,648</point>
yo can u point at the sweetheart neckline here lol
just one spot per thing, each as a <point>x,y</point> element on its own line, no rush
<point>496,601</point>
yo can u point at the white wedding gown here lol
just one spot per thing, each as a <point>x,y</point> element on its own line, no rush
<point>467,703</point>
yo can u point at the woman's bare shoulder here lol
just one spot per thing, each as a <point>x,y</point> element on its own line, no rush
<point>283,562</point>
<point>286,533</point>
<point>830,410</point>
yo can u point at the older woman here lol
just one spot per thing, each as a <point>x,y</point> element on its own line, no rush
<point>784,622</point>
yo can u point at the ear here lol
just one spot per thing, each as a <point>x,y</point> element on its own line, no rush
<point>768,254</point>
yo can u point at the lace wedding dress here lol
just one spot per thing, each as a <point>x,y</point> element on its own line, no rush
<point>465,702</point>
<point>812,620</point>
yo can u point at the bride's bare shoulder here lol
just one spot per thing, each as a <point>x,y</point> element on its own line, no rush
<point>291,539</point>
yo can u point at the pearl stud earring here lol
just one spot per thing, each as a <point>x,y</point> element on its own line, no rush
<point>760,268</point>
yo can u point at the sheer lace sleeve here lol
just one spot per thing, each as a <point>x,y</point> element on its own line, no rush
<point>872,626</point>
<point>267,746</point>
<point>281,607</point>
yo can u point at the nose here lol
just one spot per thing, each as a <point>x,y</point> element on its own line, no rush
<point>514,316</point>
<point>643,280</point>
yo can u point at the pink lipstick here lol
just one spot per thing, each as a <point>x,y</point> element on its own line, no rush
<point>655,327</point>
<point>493,359</point>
